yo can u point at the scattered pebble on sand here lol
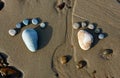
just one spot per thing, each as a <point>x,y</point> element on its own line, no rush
<point>107,53</point>
<point>81,64</point>
<point>12,32</point>
<point>76,25</point>
<point>63,59</point>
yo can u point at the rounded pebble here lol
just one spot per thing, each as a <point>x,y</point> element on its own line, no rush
<point>107,53</point>
<point>42,25</point>
<point>97,30</point>
<point>12,32</point>
<point>81,64</point>
<point>18,25</point>
<point>101,36</point>
<point>63,60</point>
<point>76,25</point>
<point>26,21</point>
<point>83,24</point>
<point>35,21</point>
<point>91,26</point>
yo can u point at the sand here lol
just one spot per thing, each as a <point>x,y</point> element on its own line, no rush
<point>59,38</point>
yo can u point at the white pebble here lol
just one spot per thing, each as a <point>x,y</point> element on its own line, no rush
<point>91,26</point>
<point>83,24</point>
<point>12,32</point>
<point>101,36</point>
<point>42,25</point>
<point>76,25</point>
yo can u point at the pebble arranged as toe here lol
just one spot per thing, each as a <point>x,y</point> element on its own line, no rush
<point>42,25</point>
<point>83,24</point>
<point>76,26</point>
<point>12,32</point>
<point>26,21</point>
<point>18,25</point>
<point>101,36</point>
<point>35,21</point>
<point>91,26</point>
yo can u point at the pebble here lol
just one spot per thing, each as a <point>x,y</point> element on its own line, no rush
<point>83,24</point>
<point>26,21</point>
<point>76,26</point>
<point>107,53</point>
<point>101,36</point>
<point>63,60</point>
<point>42,25</point>
<point>18,25</point>
<point>85,39</point>
<point>30,38</point>
<point>12,32</point>
<point>81,64</point>
<point>35,21</point>
<point>91,26</point>
<point>97,30</point>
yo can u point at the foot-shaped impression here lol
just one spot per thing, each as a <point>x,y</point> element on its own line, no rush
<point>87,34</point>
<point>30,36</point>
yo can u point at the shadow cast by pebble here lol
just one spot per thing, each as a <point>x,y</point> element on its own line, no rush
<point>4,56</point>
<point>44,35</point>
<point>1,5</point>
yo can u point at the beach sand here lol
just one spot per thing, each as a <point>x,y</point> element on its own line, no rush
<point>59,38</point>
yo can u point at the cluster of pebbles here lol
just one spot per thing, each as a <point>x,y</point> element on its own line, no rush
<point>25,22</point>
<point>85,39</point>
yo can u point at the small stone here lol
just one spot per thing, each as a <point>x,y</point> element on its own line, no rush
<point>97,30</point>
<point>81,64</point>
<point>12,32</point>
<point>26,21</point>
<point>101,36</point>
<point>35,21</point>
<point>85,39</point>
<point>107,53</point>
<point>18,25</point>
<point>76,25</point>
<point>83,24</point>
<point>63,60</point>
<point>42,25</point>
<point>91,26</point>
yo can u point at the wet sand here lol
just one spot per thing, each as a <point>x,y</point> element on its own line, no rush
<point>59,38</point>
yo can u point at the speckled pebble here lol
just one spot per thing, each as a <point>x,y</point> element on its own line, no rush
<point>12,32</point>
<point>26,21</point>
<point>18,25</point>
<point>91,26</point>
<point>42,25</point>
<point>35,21</point>
<point>76,25</point>
<point>101,36</point>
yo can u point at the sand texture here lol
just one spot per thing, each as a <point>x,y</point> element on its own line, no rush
<point>60,39</point>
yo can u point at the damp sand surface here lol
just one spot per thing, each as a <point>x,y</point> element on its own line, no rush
<point>59,39</point>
